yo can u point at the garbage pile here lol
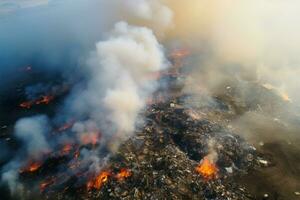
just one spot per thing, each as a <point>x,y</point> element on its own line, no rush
<point>164,154</point>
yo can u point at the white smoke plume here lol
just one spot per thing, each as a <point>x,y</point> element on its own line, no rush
<point>122,64</point>
<point>10,175</point>
<point>32,133</point>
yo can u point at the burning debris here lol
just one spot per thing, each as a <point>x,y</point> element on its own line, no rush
<point>207,168</point>
<point>97,182</point>
<point>43,94</point>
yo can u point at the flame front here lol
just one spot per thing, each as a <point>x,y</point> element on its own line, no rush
<point>32,167</point>
<point>99,180</point>
<point>207,168</point>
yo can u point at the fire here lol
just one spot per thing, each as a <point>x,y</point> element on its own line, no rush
<point>45,184</point>
<point>66,126</point>
<point>98,182</point>
<point>32,167</point>
<point>35,166</point>
<point>207,168</point>
<point>46,99</point>
<point>124,173</point>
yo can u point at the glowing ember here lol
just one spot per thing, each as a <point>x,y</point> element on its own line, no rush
<point>207,168</point>
<point>101,179</point>
<point>124,173</point>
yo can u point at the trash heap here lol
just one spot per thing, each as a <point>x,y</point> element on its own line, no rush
<point>164,154</point>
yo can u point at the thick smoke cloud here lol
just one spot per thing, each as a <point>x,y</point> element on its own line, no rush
<point>116,83</point>
<point>118,72</point>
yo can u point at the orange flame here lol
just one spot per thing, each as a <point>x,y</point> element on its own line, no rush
<point>207,168</point>
<point>124,173</point>
<point>46,99</point>
<point>45,184</point>
<point>32,167</point>
<point>98,182</point>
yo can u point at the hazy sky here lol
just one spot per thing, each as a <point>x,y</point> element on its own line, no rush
<point>12,5</point>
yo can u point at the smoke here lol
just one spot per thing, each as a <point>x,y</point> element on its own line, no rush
<point>127,58</point>
<point>115,86</point>
<point>118,83</point>
<point>154,12</point>
<point>10,175</point>
<point>255,40</point>
<point>32,134</point>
